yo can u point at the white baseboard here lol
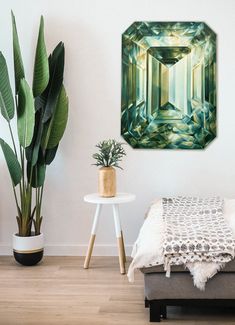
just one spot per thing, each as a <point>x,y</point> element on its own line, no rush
<point>5,249</point>
<point>72,250</point>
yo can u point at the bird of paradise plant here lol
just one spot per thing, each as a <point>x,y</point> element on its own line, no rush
<point>42,114</point>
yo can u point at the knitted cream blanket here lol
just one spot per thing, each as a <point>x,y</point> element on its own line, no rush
<point>210,237</point>
<point>195,231</point>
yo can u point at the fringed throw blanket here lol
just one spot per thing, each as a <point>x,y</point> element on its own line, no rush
<point>196,231</point>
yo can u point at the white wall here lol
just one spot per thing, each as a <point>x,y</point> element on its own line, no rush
<point>91,31</point>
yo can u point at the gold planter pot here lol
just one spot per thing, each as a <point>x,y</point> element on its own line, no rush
<point>107,182</point>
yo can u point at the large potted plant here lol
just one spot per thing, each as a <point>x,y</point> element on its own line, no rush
<point>41,113</point>
<point>109,155</point>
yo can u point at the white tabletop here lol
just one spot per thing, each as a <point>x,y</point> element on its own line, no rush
<point>119,198</point>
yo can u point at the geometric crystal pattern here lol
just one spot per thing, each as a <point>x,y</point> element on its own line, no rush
<point>168,85</point>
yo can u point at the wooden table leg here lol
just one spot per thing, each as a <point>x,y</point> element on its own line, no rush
<point>123,248</point>
<point>93,235</point>
<point>119,238</point>
<point>121,257</point>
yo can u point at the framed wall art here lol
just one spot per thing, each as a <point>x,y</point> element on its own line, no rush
<point>168,85</point>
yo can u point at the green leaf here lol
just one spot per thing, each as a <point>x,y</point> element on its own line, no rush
<point>12,162</point>
<point>3,108</point>
<point>7,101</point>
<point>40,101</point>
<point>50,155</point>
<point>18,62</point>
<point>33,150</point>
<point>57,125</point>
<point>41,66</point>
<point>38,174</point>
<point>25,114</point>
<point>56,63</point>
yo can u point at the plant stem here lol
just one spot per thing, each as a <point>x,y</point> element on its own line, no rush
<point>40,201</point>
<point>37,217</point>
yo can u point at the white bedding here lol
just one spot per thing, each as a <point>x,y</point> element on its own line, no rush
<point>147,250</point>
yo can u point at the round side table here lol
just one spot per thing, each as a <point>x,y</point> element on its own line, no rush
<point>114,201</point>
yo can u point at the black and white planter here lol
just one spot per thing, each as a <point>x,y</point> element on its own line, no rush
<point>28,250</point>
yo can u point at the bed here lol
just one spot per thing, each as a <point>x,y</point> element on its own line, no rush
<point>179,288</point>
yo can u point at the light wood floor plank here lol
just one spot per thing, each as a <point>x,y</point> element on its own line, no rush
<point>59,291</point>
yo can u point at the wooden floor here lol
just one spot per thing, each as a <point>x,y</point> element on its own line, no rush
<point>60,291</point>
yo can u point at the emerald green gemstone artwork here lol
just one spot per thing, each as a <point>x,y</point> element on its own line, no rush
<point>168,85</point>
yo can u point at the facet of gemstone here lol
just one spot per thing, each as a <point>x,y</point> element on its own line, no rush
<point>168,85</point>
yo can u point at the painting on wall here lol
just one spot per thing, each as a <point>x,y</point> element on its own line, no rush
<point>168,85</point>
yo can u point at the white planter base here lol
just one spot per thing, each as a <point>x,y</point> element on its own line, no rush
<point>28,250</point>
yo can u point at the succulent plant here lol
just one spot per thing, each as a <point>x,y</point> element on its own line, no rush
<point>110,153</point>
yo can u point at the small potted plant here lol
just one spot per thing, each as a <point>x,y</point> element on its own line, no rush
<point>41,114</point>
<point>109,155</point>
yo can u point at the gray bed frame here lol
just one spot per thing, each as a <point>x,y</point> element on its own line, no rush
<point>179,290</point>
